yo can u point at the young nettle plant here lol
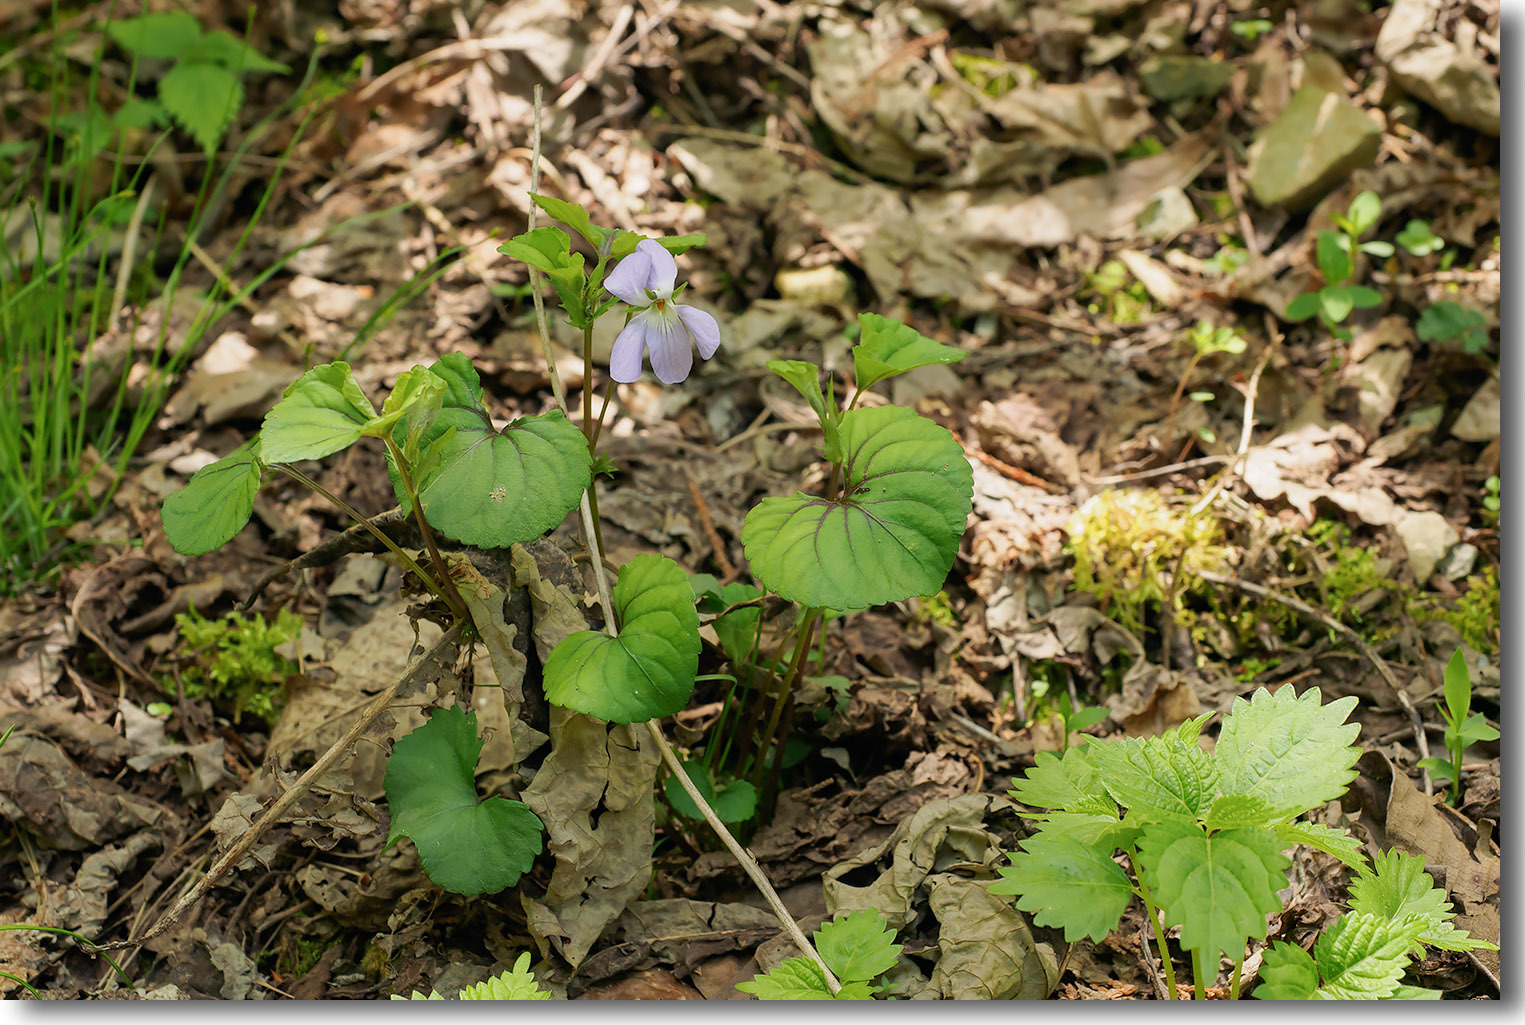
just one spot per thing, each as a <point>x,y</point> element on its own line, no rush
<point>203,88</point>
<point>859,947</point>
<point>1463,726</point>
<point>1203,834</point>
<point>1396,910</point>
<point>1336,255</point>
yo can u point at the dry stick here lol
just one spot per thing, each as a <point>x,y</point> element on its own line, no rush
<point>1236,467</point>
<point>429,660</point>
<point>1319,615</point>
<point>743,857</point>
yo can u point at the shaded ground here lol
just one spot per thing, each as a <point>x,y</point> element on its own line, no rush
<point>1053,188</point>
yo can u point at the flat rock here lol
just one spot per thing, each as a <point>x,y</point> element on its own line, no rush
<point>1479,419</point>
<point>1184,77</point>
<point>1426,537</point>
<point>1315,144</point>
<point>1449,76</point>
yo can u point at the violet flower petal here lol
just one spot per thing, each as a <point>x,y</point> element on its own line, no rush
<point>664,269</point>
<point>629,349</point>
<point>672,357</point>
<point>631,277</point>
<point>702,326</point>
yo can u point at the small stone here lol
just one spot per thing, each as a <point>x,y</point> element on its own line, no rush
<point>1426,537</point>
<point>1184,77</point>
<point>1479,418</point>
<point>1458,562</point>
<point>827,283</point>
<point>1169,213</point>
<point>1315,144</point>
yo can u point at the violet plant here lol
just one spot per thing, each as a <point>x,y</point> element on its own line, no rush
<point>885,528</point>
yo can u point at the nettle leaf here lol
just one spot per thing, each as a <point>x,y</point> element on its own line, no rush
<point>215,503</point>
<point>1398,887</point>
<point>1158,777</point>
<point>1239,811</point>
<point>203,99</point>
<point>467,845</point>
<point>1287,972</point>
<point>1217,888</point>
<point>492,488</point>
<point>518,983</point>
<point>320,413</point>
<point>165,35</point>
<point>892,535</point>
<point>1363,957</point>
<point>888,347</point>
<point>858,947</point>
<point>648,670</point>
<point>233,53</point>
<point>800,979</point>
<point>1059,782</point>
<point>549,251</point>
<point>1336,842</point>
<point>1288,749</point>
<point>736,803</point>
<point>1099,829</point>
<point>1068,885</point>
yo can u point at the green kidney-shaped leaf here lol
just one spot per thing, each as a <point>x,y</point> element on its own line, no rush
<point>215,503</point>
<point>888,347</point>
<point>1217,888</point>
<point>1067,884</point>
<point>466,845</point>
<point>493,488</point>
<point>648,670</point>
<point>320,413</point>
<point>893,533</point>
<point>1287,749</point>
<point>203,99</point>
<point>736,803</point>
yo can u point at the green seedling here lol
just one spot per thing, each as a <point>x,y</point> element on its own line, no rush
<point>1419,240</point>
<point>202,91</point>
<point>517,983</point>
<point>1448,321</point>
<point>1395,912</point>
<point>858,948</point>
<point>1463,726</point>
<point>1491,501</point>
<point>1336,251</point>
<point>1115,294</point>
<point>1206,340</point>
<point>1252,29</point>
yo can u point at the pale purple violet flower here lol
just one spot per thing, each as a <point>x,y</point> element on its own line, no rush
<point>645,280</point>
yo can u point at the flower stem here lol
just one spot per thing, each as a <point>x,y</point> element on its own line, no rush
<point>587,385</point>
<point>1233,986</point>
<point>1154,924</point>
<point>786,686</point>
<point>598,428</point>
<point>363,520</point>
<point>1199,974</point>
<point>452,596</point>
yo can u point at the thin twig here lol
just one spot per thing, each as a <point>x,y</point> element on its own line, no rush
<point>1236,467</point>
<point>435,658</point>
<point>1319,615</point>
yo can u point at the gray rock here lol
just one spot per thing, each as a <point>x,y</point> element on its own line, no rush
<point>1458,562</point>
<point>1184,77</point>
<point>1426,537</point>
<point>1315,144</point>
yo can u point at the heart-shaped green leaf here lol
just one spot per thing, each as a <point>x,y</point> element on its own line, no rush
<point>648,670</point>
<point>215,503</point>
<point>736,803</point>
<point>320,413</point>
<point>891,535</point>
<point>417,388</point>
<point>888,347</point>
<point>466,845</point>
<point>493,488</point>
